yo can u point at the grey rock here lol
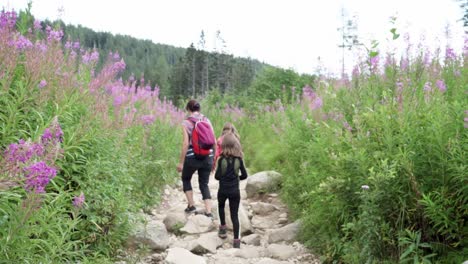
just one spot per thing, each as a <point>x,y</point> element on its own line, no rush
<point>174,219</point>
<point>264,181</point>
<point>285,233</point>
<point>183,256</point>
<point>253,239</point>
<point>152,234</point>
<point>282,252</point>
<point>263,208</point>
<point>198,224</point>
<point>207,243</point>
<point>249,252</point>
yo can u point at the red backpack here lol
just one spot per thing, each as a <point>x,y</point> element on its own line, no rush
<point>203,138</point>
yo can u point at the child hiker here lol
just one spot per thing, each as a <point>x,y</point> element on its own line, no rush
<point>228,128</point>
<point>230,163</point>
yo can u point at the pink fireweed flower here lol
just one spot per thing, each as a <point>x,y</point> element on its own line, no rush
<point>404,63</point>
<point>399,86</point>
<point>37,25</point>
<point>78,201</point>
<point>52,134</point>
<point>23,151</point>
<point>427,87</point>
<point>23,43</point>
<point>347,126</point>
<point>8,19</point>
<point>118,100</point>
<point>68,45</point>
<point>427,58</point>
<point>41,46</point>
<point>374,62</point>
<point>92,57</point>
<point>119,66</point>
<point>76,45</point>
<point>308,92</point>
<point>116,56</point>
<point>148,119</point>
<point>53,35</point>
<point>450,54</point>
<point>42,84</point>
<point>441,85</point>
<point>316,103</point>
<point>38,176</point>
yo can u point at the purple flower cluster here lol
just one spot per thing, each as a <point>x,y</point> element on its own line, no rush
<point>7,19</point>
<point>34,161</point>
<point>23,43</point>
<point>53,35</point>
<point>23,151</point>
<point>347,126</point>
<point>37,25</point>
<point>450,54</point>
<point>38,176</point>
<point>441,85</point>
<point>78,201</point>
<point>315,102</point>
<point>90,57</point>
<point>118,100</point>
<point>404,64</point>
<point>52,134</point>
<point>374,62</point>
<point>42,84</point>
<point>148,119</point>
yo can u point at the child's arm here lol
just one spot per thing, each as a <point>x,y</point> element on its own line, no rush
<point>243,171</point>
<point>218,169</point>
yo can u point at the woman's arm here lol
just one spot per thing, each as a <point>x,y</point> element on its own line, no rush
<point>243,170</point>
<point>185,143</point>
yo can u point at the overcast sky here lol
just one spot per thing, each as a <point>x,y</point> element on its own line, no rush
<point>290,34</point>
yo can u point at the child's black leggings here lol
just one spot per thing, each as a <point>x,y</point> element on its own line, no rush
<point>234,200</point>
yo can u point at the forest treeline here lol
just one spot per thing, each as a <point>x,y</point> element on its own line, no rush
<point>180,72</point>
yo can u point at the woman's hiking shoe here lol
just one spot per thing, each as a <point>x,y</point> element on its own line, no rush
<point>222,232</point>
<point>236,243</point>
<point>190,209</point>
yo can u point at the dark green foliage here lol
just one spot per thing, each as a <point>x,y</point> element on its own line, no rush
<point>274,83</point>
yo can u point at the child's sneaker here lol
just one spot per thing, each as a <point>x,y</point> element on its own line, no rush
<point>236,243</point>
<point>222,232</point>
<point>190,209</point>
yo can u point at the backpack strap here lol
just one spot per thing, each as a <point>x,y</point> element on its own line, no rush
<point>194,120</point>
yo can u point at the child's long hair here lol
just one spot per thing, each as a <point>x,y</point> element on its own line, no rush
<point>229,128</point>
<point>231,146</point>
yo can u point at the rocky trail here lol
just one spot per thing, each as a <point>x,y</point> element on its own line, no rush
<point>173,237</point>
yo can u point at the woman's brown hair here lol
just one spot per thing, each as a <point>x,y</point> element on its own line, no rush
<point>230,128</point>
<point>193,106</point>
